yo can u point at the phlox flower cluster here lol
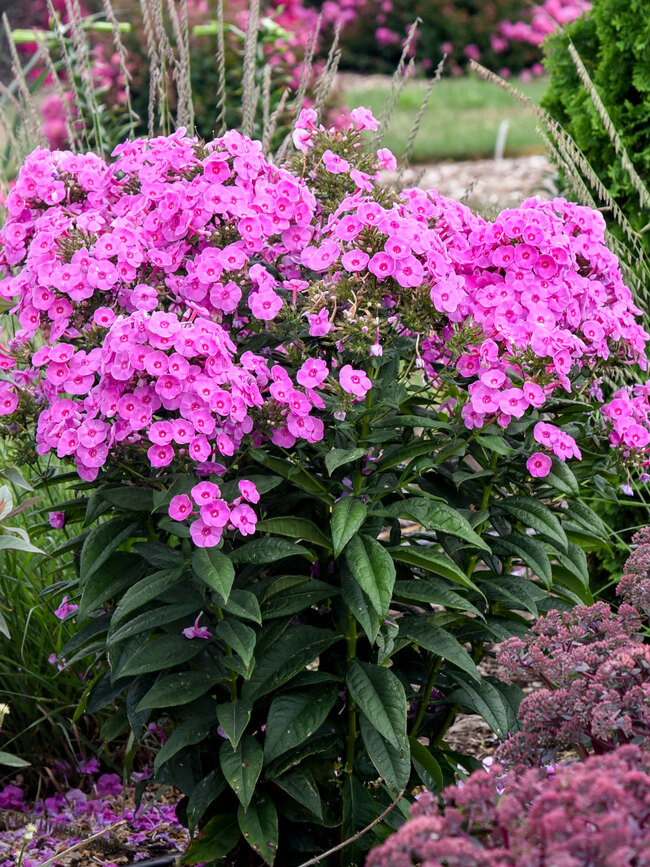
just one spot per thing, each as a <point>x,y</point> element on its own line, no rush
<point>139,263</point>
<point>596,676</point>
<point>544,18</point>
<point>591,814</point>
<point>145,278</point>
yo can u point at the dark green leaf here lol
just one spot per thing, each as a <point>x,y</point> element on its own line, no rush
<point>160,654</point>
<point>575,561</point>
<point>178,688</point>
<point>292,472</point>
<point>562,478</point>
<point>495,444</point>
<point>348,516</point>
<point>380,696</point>
<point>158,555</point>
<point>487,701</point>
<point>439,517</point>
<point>122,571</point>
<point>242,603</point>
<point>431,561</point>
<point>259,825</point>
<point>239,637</point>
<point>526,549</point>
<point>233,718</point>
<point>373,569</point>
<point>393,766</point>
<point>288,655</point>
<point>190,731</point>
<point>338,457</point>
<point>148,621</point>
<point>423,761</point>
<point>242,767</point>
<point>296,716</point>
<point>437,640</point>
<point>360,605</point>
<point>214,569</point>
<point>269,550</point>
<point>404,454</point>
<point>218,837</point>
<point>131,499</point>
<point>102,542</point>
<point>433,592</point>
<point>145,591</point>
<point>535,515</point>
<point>359,810</point>
<point>293,593</point>
<point>519,593</point>
<point>295,528</point>
<point>301,786</point>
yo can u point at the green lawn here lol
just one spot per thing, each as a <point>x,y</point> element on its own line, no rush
<point>461,120</point>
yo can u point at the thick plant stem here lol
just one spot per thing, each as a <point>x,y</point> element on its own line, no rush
<point>351,639</point>
<point>485,499</point>
<point>424,700</point>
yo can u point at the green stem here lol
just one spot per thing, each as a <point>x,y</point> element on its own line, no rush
<point>351,642</point>
<point>485,499</point>
<point>424,699</point>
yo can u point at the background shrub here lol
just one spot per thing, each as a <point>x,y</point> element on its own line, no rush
<point>612,41</point>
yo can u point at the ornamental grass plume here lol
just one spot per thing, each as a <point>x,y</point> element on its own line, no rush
<point>591,814</point>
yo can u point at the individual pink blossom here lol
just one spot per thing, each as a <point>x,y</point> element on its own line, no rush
<point>56,520</point>
<point>335,164</point>
<point>196,631</point>
<point>386,160</point>
<point>65,608</point>
<point>364,119</point>
<point>539,465</point>
<point>180,507</point>
<point>355,382</point>
<point>319,323</point>
<point>244,519</point>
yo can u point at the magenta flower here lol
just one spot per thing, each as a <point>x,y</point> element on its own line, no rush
<point>56,519</point>
<point>109,785</point>
<point>197,631</point>
<point>180,507</point>
<point>354,381</point>
<point>249,491</point>
<point>539,465</point>
<point>364,119</point>
<point>203,535</point>
<point>319,323</point>
<point>65,608</point>
<point>312,373</point>
<point>244,519</point>
<point>335,164</point>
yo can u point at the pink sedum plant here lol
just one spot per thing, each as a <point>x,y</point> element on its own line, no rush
<point>591,814</point>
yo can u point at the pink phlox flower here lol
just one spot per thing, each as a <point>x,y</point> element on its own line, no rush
<point>65,608</point>
<point>334,163</point>
<point>197,631</point>
<point>353,381</point>
<point>539,465</point>
<point>180,507</point>
<point>319,324</point>
<point>386,160</point>
<point>243,518</point>
<point>364,119</point>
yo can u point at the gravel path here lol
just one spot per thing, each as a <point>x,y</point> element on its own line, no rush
<point>487,185</point>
